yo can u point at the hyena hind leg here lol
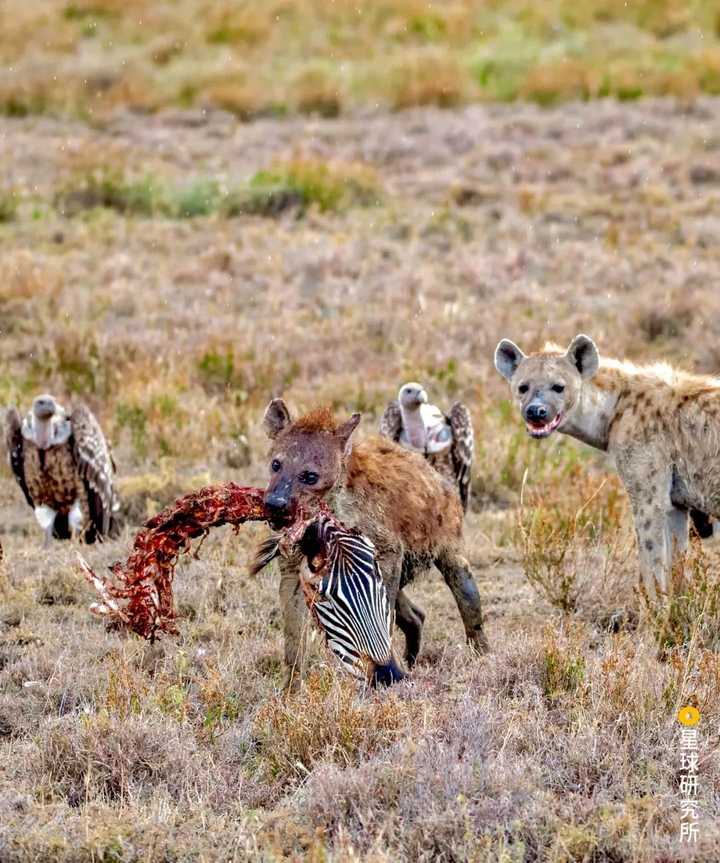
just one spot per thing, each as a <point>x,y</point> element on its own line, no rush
<point>410,619</point>
<point>459,578</point>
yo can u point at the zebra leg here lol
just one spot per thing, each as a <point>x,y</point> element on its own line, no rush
<point>409,618</point>
<point>295,621</point>
<point>459,578</point>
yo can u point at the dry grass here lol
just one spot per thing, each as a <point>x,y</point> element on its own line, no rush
<point>577,551</point>
<point>323,57</point>
<point>177,325</point>
<point>691,618</point>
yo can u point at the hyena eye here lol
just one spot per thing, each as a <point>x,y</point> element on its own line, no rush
<point>523,388</point>
<point>558,388</point>
<point>308,477</point>
<point>275,465</point>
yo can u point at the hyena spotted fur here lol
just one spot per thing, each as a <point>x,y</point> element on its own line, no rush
<point>661,427</point>
<point>410,513</point>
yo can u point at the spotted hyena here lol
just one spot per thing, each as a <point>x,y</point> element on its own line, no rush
<point>411,514</point>
<point>661,426</point>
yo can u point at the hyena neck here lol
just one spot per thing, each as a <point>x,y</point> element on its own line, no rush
<point>592,416</point>
<point>414,427</point>
<point>342,501</point>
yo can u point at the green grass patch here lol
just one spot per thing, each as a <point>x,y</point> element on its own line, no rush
<point>109,188</point>
<point>199,198</point>
<point>298,185</point>
<point>304,183</point>
<point>9,202</point>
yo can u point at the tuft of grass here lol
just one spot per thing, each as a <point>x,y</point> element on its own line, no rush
<point>217,369</point>
<point>133,418</point>
<point>327,721</point>
<point>9,202</point>
<point>109,188</point>
<point>689,616</point>
<point>303,183</point>
<point>317,91</point>
<point>104,757</point>
<point>240,24</point>
<point>430,77</point>
<point>28,276</point>
<point>199,198</point>
<point>559,533</point>
<point>60,588</point>
<point>298,184</point>
<point>221,367</point>
<point>235,94</point>
<point>79,363</point>
<point>563,668</point>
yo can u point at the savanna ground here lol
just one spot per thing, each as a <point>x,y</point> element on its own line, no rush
<point>175,268</point>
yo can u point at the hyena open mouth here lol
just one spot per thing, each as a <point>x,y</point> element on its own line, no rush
<point>539,430</point>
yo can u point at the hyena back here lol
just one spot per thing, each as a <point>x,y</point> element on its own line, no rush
<point>411,514</point>
<point>661,426</point>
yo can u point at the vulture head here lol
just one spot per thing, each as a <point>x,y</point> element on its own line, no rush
<point>412,395</point>
<point>45,421</point>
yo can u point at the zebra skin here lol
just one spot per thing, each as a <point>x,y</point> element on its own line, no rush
<point>346,596</point>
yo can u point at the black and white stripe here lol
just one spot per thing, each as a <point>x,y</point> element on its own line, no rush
<point>351,604</point>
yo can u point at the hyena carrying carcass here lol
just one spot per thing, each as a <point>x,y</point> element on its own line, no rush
<point>661,426</point>
<point>393,496</point>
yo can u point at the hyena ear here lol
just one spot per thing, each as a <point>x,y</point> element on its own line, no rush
<point>508,357</point>
<point>344,432</point>
<point>276,418</point>
<point>583,354</point>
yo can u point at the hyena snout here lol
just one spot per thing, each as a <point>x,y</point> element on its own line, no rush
<point>541,418</point>
<point>279,503</point>
<point>536,413</point>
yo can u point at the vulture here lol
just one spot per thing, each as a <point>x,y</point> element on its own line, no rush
<point>446,440</point>
<point>63,464</point>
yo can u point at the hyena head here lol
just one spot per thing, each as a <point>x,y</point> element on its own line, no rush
<point>306,458</point>
<point>547,385</point>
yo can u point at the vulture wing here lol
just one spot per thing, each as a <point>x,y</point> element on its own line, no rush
<point>462,450</point>
<point>14,442</point>
<point>391,421</point>
<point>95,466</point>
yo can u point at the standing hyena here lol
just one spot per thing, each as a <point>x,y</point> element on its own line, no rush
<point>660,426</point>
<point>393,496</point>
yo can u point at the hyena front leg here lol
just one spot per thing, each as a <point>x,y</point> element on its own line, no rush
<point>459,578</point>
<point>390,562</point>
<point>295,620</point>
<point>657,525</point>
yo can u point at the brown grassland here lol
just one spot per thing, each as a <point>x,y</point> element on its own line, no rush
<point>176,267</point>
<point>328,56</point>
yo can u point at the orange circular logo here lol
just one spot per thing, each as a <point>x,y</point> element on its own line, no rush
<point>688,715</point>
